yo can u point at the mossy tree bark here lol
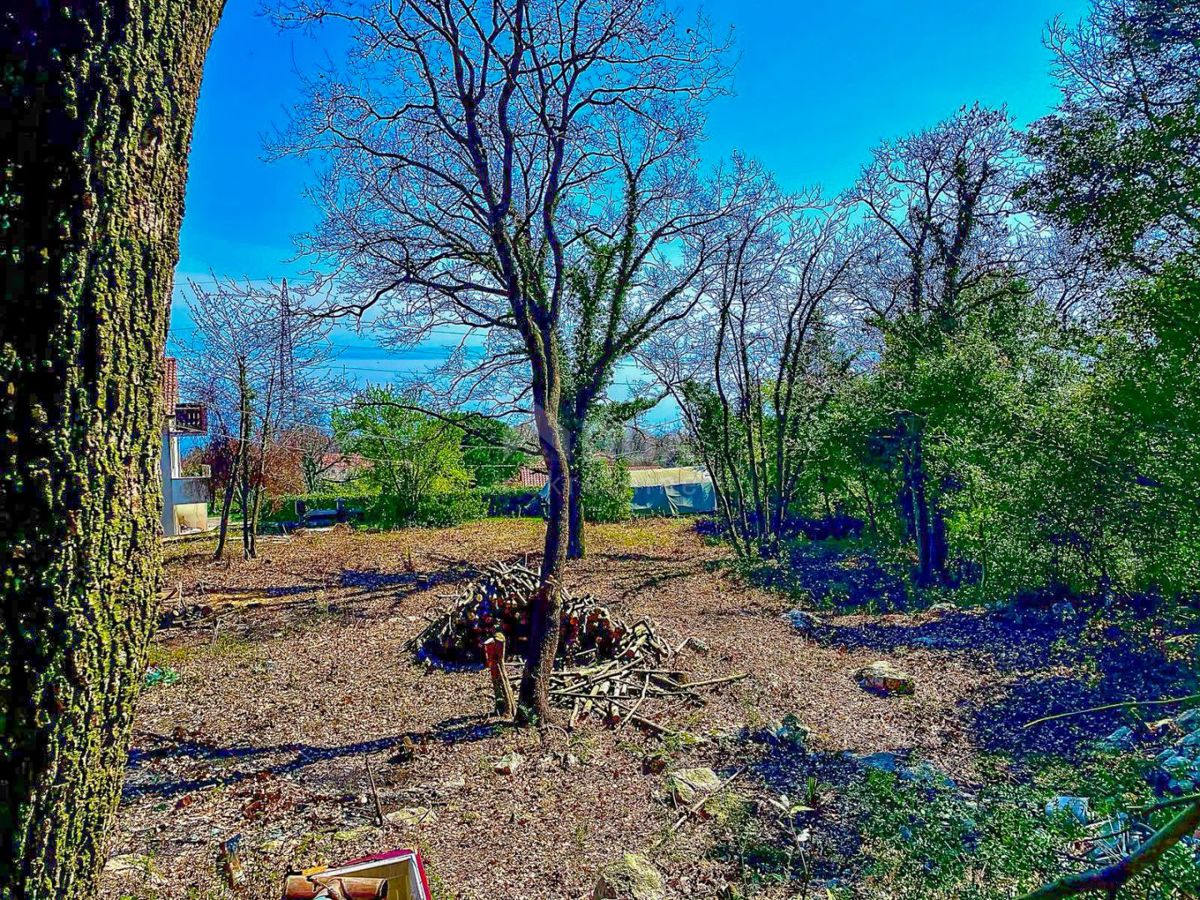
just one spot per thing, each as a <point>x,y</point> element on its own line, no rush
<point>97,102</point>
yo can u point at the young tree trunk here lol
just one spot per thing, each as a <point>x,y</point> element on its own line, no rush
<point>223,533</point>
<point>245,426</point>
<point>576,543</point>
<point>544,614</point>
<point>926,523</point>
<point>96,110</point>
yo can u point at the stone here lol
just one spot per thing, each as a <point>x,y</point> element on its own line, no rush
<point>789,731</point>
<point>1123,738</point>
<point>686,785</point>
<point>509,763</point>
<point>883,761</point>
<point>1177,763</point>
<point>803,621</point>
<point>1190,720</point>
<point>410,816</point>
<point>925,773</point>
<point>1076,806</point>
<point>632,877</point>
<point>884,678</point>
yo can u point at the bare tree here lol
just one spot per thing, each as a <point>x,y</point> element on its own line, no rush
<point>470,145</point>
<point>753,371</point>
<point>941,215</point>
<point>640,266</point>
<point>1117,160</point>
<point>259,359</point>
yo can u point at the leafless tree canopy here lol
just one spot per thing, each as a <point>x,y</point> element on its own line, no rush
<point>763,352</point>
<point>472,147</point>
<point>941,214</point>
<point>259,359</point>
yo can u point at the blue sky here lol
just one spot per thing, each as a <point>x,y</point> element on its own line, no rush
<point>816,87</point>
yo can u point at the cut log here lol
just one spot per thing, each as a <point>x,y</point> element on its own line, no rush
<point>493,657</point>
<point>309,887</point>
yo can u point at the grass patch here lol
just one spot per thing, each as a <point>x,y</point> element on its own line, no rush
<point>932,842</point>
<point>227,645</point>
<point>638,534</point>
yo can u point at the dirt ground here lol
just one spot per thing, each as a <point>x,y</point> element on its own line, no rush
<point>300,679</point>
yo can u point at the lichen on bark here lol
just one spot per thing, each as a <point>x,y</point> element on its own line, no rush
<point>97,102</point>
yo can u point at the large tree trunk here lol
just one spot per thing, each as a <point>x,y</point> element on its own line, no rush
<point>926,522</point>
<point>96,112</point>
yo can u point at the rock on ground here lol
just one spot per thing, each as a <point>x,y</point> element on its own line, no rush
<point>884,678</point>
<point>687,784</point>
<point>509,763</point>
<point>633,877</point>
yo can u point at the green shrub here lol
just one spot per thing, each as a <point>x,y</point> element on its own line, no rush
<point>510,500</point>
<point>435,511</point>
<point>445,510</point>
<point>283,508</point>
<point>607,493</point>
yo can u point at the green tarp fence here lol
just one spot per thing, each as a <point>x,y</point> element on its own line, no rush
<point>681,491</point>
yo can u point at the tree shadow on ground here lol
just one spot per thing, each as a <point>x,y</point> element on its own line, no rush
<point>1062,670</point>
<point>836,575</point>
<point>810,777</point>
<point>1114,675</point>
<point>371,580</point>
<point>1033,641</point>
<point>324,600</point>
<point>143,781</point>
<point>658,579</point>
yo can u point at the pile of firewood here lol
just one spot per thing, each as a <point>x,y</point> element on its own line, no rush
<point>607,668</point>
<point>499,603</point>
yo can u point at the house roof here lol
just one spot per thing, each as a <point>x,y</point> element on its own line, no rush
<point>170,385</point>
<point>529,477</point>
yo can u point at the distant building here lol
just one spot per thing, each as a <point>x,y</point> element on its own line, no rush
<point>341,468</point>
<point>185,500</point>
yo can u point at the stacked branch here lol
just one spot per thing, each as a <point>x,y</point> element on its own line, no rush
<point>620,690</point>
<point>499,602</point>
